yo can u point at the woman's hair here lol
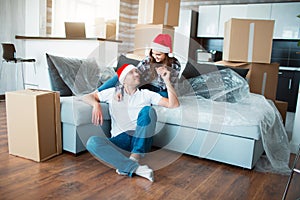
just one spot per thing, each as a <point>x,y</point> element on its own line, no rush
<point>167,61</point>
<point>153,64</point>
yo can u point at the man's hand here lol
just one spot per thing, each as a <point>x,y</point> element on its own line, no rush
<point>97,117</point>
<point>93,100</point>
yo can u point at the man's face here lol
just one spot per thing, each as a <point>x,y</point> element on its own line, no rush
<point>132,78</point>
<point>158,56</point>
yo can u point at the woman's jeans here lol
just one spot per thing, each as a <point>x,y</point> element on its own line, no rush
<point>113,150</point>
<point>112,82</point>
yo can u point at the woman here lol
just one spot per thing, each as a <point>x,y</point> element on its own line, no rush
<point>153,66</point>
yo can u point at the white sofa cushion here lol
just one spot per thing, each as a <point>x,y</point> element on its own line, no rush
<point>75,111</point>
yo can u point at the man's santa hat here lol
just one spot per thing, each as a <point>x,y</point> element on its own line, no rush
<point>123,71</point>
<point>162,43</point>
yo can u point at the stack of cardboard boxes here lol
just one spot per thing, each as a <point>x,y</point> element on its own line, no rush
<point>154,17</point>
<point>248,44</point>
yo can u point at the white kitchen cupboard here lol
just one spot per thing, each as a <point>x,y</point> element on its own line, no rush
<point>259,11</point>
<point>208,21</point>
<point>287,24</point>
<point>212,18</point>
<point>231,11</point>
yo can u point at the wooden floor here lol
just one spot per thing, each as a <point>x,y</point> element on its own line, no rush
<point>83,177</point>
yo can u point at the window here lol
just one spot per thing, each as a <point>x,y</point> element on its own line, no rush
<point>93,12</point>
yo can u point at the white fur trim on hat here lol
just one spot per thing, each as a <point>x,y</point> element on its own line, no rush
<point>160,48</point>
<point>125,71</point>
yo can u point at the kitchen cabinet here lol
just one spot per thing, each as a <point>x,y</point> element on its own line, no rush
<point>208,21</point>
<point>287,88</point>
<point>287,25</point>
<point>230,11</point>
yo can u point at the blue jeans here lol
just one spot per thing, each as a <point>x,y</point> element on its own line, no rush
<point>109,83</point>
<point>113,150</point>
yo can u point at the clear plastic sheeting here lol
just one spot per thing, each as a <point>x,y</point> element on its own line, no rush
<point>223,85</point>
<point>82,76</point>
<point>220,99</point>
<point>275,142</point>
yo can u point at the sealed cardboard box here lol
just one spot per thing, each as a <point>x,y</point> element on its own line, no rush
<point>164,12</point>
<point>145,34</point>
<point>33,124</point>
<point>105,29</point>
<point>262,78</point>
<point>282,108</point>
<point>248,40</point>
<point>111,29</point>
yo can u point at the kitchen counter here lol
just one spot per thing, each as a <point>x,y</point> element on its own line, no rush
<point>63,38</point>
<point>104,51</point>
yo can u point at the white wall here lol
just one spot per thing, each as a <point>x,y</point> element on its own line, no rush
<point>17,17</point>
<point>12,22</point>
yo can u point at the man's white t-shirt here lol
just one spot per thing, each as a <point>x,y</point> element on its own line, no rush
<point>124,113</point>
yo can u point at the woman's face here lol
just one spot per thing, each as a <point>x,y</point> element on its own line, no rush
<point>158,56</point>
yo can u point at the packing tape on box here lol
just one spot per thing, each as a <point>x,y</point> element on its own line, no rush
<point>251,41</point>
<point>263,87</point>
<point>166,13</point>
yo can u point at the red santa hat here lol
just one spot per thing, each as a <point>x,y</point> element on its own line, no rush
<point>123,71</point>
<point>162,43</point>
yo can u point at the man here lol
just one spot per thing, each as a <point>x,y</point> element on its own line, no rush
<point>133,121</point>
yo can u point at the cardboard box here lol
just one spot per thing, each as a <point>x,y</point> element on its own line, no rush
<point>262,78</point>
<point>164,12</point>
<point>145,34</point>
<point>282,108</point>
<point>248,40</point>
<point>105,29</point>
<point>111,30</point>
<point>33,124</point>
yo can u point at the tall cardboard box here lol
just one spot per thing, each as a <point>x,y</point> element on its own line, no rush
<point>164,12</point>
<point>262,78</point>
<point>247,40</point>
<point>33,124</point>
<point>145,34</point>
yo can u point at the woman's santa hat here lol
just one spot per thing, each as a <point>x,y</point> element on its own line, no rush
<point>123,71</point>
<point>162,43</point>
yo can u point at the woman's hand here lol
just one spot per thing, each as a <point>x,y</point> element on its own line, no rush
<point>164,73</point>
<point>118,96</point>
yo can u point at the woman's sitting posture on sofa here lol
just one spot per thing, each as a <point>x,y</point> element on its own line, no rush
<point>133,122</point>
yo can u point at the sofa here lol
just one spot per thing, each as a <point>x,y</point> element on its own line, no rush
<point>237,140</point>
<point>76,117</point>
